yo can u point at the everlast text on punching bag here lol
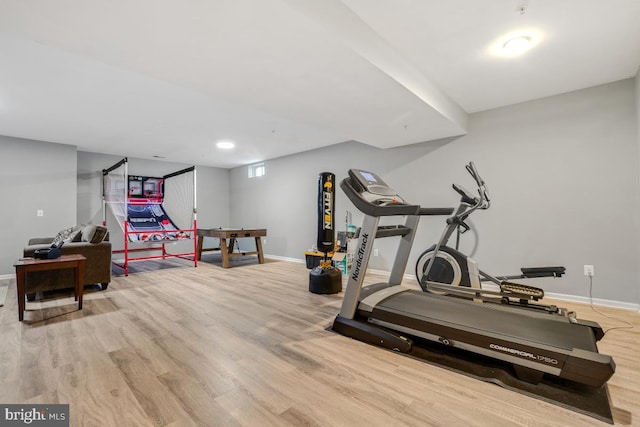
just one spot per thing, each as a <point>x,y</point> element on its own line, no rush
<point>326,279</point>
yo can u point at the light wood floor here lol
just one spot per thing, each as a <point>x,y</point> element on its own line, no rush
<point>248,346</point>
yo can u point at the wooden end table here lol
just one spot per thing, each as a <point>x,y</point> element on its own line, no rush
<point>26,265</point>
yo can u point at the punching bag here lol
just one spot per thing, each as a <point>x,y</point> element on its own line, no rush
<point>326,206</point>
<point>325,279</point>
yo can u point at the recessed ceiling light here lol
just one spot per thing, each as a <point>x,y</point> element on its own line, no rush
<point>225,145</point>
<point>515,44</point>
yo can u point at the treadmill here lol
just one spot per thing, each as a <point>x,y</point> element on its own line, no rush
<point>393,316</point>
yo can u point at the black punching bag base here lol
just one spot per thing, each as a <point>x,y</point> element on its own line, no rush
<point>325,280</point>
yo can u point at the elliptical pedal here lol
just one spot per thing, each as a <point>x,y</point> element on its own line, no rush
<point>518,290</point>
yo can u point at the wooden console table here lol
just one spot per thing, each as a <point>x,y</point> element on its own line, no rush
<point>232,234</point>
<point>24,266</point>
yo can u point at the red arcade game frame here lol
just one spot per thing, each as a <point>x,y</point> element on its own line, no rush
<point>145,222</point>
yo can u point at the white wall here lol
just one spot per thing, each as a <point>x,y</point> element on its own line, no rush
<point>562,172</point>
<point>34,175</point>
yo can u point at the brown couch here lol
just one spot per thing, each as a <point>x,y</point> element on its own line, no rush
<point>97,266</point>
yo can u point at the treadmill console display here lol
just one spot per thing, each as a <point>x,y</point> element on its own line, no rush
<point>368,176</point>
<point>373,197</point>
<point>369,182</point>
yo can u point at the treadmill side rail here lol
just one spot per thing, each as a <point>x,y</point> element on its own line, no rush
<point>587,367</point>
<point>370,302</point>
<point>371,334</point>
<point>598,333</point>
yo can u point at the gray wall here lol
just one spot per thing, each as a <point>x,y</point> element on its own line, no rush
<point>34,175</point>
<point>562,173</point>
<point>212,190</point>
<point>637,84</point>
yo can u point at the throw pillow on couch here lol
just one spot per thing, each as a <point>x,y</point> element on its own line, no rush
<point>81,233</point>
<point>68,235</point>
<point>93,233</point>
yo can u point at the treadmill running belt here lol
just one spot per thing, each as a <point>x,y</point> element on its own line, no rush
<point>487,319</point>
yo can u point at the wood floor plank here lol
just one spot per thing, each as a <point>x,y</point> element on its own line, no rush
<point>9,353</point>
<point>159,405</point>
<point>197,399</point>
<point>204,369</point>
<point>173,345</point>
<point>247,410</point>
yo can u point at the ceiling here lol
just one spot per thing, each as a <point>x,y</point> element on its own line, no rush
<point>145,78</point>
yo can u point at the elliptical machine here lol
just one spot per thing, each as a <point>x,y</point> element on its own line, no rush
<point>444,270</point>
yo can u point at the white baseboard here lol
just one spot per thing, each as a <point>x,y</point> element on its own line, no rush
<point>7,276</point>
<point>284,258</point>
<point>596,301</point>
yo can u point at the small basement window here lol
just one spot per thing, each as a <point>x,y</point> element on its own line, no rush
<point>256,170</point>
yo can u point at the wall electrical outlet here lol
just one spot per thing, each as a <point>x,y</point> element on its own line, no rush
<point>375,252</point>
<point>589,270</point>
<point>40,212</point>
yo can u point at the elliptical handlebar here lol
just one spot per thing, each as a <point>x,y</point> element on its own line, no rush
<point>468,203</point>
<point>483,202</point>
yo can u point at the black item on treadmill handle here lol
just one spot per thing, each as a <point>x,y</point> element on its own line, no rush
<point>435,211</point>
<point>392,230</point>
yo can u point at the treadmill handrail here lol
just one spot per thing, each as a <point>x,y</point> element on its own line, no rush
<point>435,211</point>
<point>372,209</point>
